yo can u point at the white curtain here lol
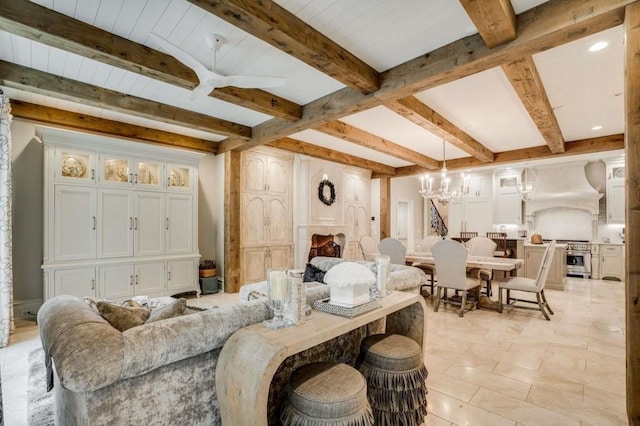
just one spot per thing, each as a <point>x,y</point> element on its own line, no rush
<point>6,268</point>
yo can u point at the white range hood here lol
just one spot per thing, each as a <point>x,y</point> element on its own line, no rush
<point>565,186</point>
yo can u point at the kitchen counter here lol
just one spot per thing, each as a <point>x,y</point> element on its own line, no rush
<point>558,245</point>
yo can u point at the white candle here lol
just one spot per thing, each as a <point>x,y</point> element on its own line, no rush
<point>278,285</point>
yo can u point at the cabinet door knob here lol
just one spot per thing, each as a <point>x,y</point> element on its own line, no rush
<point>167,224</point>
<point>135,223</point>
<point>93,284</point>
<point>130,177</point>
<point>93,218</point>
<point>130,223</point>
<point>136,279</point>
<point>169,275</point>
<point>135,178</point>
<point>93,174</point>
<point>130,279</point>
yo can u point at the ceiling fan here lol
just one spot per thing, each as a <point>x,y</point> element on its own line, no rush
<point>209,78</point>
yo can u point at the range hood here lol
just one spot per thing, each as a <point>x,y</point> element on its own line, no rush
<point>563,185</point>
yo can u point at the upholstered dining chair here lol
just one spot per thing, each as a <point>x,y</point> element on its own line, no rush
<point>369,248</point>
<point>394,249</point>
<point>530,285</point>
<point>451,264</point>
<point>424,246</point>
<point>485,247</point>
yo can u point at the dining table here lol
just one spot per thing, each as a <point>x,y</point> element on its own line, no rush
<point>506,264</point>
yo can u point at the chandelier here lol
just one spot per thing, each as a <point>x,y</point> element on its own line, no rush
<point>527,187</point>
<point>447,192</point>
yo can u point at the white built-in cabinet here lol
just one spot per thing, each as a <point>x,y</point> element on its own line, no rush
<point>266,239</point>
<point>473,213</point>
<point>612,261</point>
<point>119,217</point>
<point>615,192</point>
<point>357,192</point>
<point>507,201</point>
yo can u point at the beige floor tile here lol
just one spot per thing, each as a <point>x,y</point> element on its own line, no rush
<point>520,411</point>
<point>530,360</point>
<point>489,380</point>
<point>447,384</point>
<point>433,420</point>
<point>541,379</point>
<point>462,413</point>
<point>584,410</point>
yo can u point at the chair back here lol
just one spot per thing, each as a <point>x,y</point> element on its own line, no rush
<point>425,244</point>
<point>450,258</point>
<point>481,246</point>
<point>466,236</point>
<point>545,265</point>
<point>368,247</point>
<point>394,249</point>
<point>500,239</point>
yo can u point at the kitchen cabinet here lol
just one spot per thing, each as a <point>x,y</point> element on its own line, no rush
<point>615,192</point>
<point>123,225</point>
<point>533,259</point>
<point>181,274</point>
<point>612,261</point>
<point>266,238</point>
<point>474,212</point>
<point>507,201</point>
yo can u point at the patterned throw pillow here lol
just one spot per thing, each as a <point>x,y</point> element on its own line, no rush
<point>311,273</point>
<point>121,317</point>
<point>173,309</point>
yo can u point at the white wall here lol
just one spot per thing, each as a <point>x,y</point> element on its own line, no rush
<point>28,182</point>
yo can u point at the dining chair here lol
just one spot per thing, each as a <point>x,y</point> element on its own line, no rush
<point>369,248</point>
<point>466,236</point>
<point>450,258</point>
<point>424,246</point>
<point>530,285</point>
<point>500,238</point>
<point>394,249</point>
<point>485,247</point>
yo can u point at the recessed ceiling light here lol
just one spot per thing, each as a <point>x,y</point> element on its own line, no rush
<point>596,128</point>
<point>598,46</point>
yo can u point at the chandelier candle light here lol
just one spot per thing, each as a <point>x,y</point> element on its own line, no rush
<point>445,194</point>
<point>527,187</point>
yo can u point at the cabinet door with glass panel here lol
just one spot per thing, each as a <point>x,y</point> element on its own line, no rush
<point>179,177</point>
<point>126,172</point>
<point>75,167</point>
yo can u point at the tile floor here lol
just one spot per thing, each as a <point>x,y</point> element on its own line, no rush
<point>484,369</point>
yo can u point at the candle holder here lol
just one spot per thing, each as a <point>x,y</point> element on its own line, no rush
<point>278,295</point>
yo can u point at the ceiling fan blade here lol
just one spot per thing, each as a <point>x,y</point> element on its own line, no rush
<point>252,82</point>
<point>202,90</point>
<point>201,71</point>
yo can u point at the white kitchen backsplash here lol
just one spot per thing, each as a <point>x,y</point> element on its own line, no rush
<point>564,224</point>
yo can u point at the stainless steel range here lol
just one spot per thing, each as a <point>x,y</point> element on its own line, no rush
<point>578,259</point>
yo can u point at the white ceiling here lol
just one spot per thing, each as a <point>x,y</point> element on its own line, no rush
<point>584,88</point>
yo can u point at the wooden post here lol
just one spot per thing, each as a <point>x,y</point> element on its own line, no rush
<point>385,207</point>
<point>632,222</point>
<point>232,278</point>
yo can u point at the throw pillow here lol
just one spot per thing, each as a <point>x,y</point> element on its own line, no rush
<point>173,309</point>
<point>311,273</point>
<point>121,317</point>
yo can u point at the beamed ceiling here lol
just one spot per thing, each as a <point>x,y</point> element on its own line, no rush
<point>377,84</point>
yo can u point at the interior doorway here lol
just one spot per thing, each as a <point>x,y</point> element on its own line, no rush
<point>404,222</point>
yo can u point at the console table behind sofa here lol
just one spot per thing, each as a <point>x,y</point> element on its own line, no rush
<point>250,358</point>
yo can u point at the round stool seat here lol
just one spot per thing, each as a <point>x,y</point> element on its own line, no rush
<point>329,394</point>
<point>391,352</point>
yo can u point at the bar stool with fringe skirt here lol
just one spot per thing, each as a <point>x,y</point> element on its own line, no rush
<point>395,374</point>
<point>325,393</point>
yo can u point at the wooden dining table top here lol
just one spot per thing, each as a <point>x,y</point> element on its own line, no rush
<point>494,263</point>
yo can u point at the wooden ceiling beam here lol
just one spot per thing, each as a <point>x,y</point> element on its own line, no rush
<point>585,146</point>
<point>494,19</point>
<point>300,147</point>
<point>275,25</point>
<point>85,122</point>
<point>541,28</point>
<point>526,81</point>
<point>328,108</point>
<point>414,110</point>
<point>546,26</point>
<point>38,23</point>
<point>360,137</point>
<point>23,78</point>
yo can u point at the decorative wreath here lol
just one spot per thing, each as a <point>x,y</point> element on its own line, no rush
<point>332,190</point>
